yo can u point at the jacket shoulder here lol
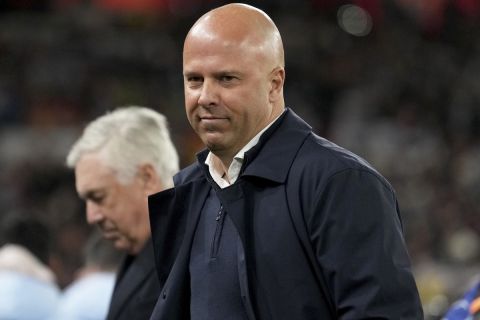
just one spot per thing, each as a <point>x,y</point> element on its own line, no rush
<point>191,173</point>
<point>324,159</point>
<point>332,157</point>
<point>331,153</point>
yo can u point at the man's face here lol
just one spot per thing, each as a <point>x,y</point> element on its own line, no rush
<point>119,210</point>
<point>226,92</point>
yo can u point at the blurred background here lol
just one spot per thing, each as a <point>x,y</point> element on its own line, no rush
<point>395,81</point>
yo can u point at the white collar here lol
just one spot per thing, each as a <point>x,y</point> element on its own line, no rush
<point>215,168</point>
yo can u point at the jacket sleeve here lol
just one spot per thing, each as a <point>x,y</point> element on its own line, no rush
<point>355,229</point>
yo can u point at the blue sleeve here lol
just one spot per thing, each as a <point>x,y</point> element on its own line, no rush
<point>460,310</point>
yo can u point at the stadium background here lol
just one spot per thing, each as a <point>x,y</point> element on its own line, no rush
<point>395,81</point>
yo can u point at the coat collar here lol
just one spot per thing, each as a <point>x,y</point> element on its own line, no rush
<point>273,155</point>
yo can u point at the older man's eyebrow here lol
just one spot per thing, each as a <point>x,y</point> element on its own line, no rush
<point>90,194</point>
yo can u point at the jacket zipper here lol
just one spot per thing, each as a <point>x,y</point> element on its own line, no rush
<point>218,232</point>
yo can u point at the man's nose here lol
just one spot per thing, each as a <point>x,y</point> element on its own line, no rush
<point>208,94</point>
<point>94,214</point>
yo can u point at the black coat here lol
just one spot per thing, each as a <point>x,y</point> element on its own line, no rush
<point>136,289</point>
<point>321,231</point>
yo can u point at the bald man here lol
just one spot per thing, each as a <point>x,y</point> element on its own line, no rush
<point>272,221</point>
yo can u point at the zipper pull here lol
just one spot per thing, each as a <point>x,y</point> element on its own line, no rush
<point>219,214</point>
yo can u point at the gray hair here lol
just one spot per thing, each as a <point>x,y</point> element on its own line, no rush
<point>127,138</point>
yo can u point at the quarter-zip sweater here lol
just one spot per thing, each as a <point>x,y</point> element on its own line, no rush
<point>217,251</point>
<point>214,280</point>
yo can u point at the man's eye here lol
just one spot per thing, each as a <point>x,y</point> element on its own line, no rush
<point>227,78</point>
<point>98,199</point>
<point>194,79</point>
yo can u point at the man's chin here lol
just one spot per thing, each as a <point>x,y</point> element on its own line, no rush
<point>121,245</point>
<point>215,147</point>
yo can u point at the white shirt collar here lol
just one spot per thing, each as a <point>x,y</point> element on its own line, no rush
<point>233,172</point>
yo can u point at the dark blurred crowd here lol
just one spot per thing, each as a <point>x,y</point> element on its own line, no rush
<point>394,81</point>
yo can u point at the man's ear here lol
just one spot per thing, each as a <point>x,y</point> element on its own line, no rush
<point>149,178</point>
<point>277,79</point>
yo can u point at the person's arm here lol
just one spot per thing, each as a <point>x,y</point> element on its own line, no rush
<point>357,237</point>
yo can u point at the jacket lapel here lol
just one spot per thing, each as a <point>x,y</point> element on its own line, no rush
<point>174,215</point>
<point>132,277</point>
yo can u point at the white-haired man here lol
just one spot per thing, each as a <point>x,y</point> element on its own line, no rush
<point>120,159</point>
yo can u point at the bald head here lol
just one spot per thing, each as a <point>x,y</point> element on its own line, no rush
<point>233,70</point>
<point>241,25</point>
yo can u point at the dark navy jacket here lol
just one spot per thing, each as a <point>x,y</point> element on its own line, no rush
<point>320,228</point>
<point>136,289</point>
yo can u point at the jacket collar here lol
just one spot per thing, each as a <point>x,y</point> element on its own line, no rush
<point>273,155</point>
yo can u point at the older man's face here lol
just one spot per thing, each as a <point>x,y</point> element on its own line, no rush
<point>119,210</point>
